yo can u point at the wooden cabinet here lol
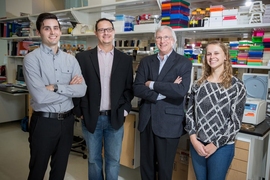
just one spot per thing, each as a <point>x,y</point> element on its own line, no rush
<point>130,155</point>
<point>239,165</point>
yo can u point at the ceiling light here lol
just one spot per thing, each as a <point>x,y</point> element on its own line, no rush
<point>248,3</point>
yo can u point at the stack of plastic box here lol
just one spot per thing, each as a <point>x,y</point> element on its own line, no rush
<point>229,17</point>
<point>234,51</point>
<point>123,22</point>
<point>216,15</point>
<point>188,51</point>
<point>175,13</point>
<point>255,53</point>
<point>243,48</point>
<point>165,12</point>
<point>266,52</point>
<point>193,52</point>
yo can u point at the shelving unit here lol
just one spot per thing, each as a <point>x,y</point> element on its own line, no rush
<point>239,66</point>
<point>216,31</point>
<point>89,15</point>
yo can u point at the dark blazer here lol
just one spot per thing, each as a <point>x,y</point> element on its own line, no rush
<point>121,88</point>
<point>167,114</point>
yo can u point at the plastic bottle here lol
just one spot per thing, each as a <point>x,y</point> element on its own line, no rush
<point>207,12</point>
<point>200,16</point>
<point>207,17</point>
<point>193,20</point>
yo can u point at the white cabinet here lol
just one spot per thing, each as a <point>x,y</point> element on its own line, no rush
<point>12,107</point>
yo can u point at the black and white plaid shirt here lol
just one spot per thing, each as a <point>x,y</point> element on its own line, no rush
<point>214,113</point>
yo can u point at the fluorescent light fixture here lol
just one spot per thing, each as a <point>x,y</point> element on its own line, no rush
<point>248,3</point>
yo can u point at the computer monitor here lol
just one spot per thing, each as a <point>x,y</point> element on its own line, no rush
<point>19,73</point>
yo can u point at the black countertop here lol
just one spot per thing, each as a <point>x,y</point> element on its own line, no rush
<point>260,129</point>
<point>13,89</point>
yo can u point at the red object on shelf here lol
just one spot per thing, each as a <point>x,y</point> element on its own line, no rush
<point>23,47</point>
<point>258,33</point>
<point>229,18</point>
<point>266,39</point>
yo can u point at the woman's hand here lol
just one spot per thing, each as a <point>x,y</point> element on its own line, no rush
<point>210,149</point>
<point>198,146</point>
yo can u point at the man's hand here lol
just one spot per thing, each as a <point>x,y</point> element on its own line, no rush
<point>50,87</point>
<point>147,83</point>
<point>178,80</point>
<point>76,80</point>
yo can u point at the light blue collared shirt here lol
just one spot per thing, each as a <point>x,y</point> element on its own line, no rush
<point>42,67</point>
<point>161,64</point>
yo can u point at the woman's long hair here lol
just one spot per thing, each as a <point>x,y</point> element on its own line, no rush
<point>226,76</point>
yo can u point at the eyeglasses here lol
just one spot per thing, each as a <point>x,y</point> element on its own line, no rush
<point>165,38</point>
<point>102,30</point>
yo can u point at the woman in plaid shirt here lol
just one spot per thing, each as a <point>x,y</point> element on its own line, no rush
<point>214,114</point>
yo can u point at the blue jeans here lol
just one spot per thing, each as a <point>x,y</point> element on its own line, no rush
<point>214,167</point>
<point>112,140</point>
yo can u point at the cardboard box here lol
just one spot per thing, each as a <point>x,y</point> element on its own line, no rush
<point>184,142</point>
<point>180,166</point>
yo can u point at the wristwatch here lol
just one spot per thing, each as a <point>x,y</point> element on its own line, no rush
<point>55,87</point>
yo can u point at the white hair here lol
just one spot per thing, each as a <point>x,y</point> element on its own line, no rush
<point>161,28</point>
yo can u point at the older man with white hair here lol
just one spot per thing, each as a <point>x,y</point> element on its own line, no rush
<point>162,81</point>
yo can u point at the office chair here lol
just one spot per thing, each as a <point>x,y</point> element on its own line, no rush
<point>78,142</point>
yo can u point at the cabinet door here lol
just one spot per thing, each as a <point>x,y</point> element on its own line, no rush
<point>233,174</point>
<point>127,154</point>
